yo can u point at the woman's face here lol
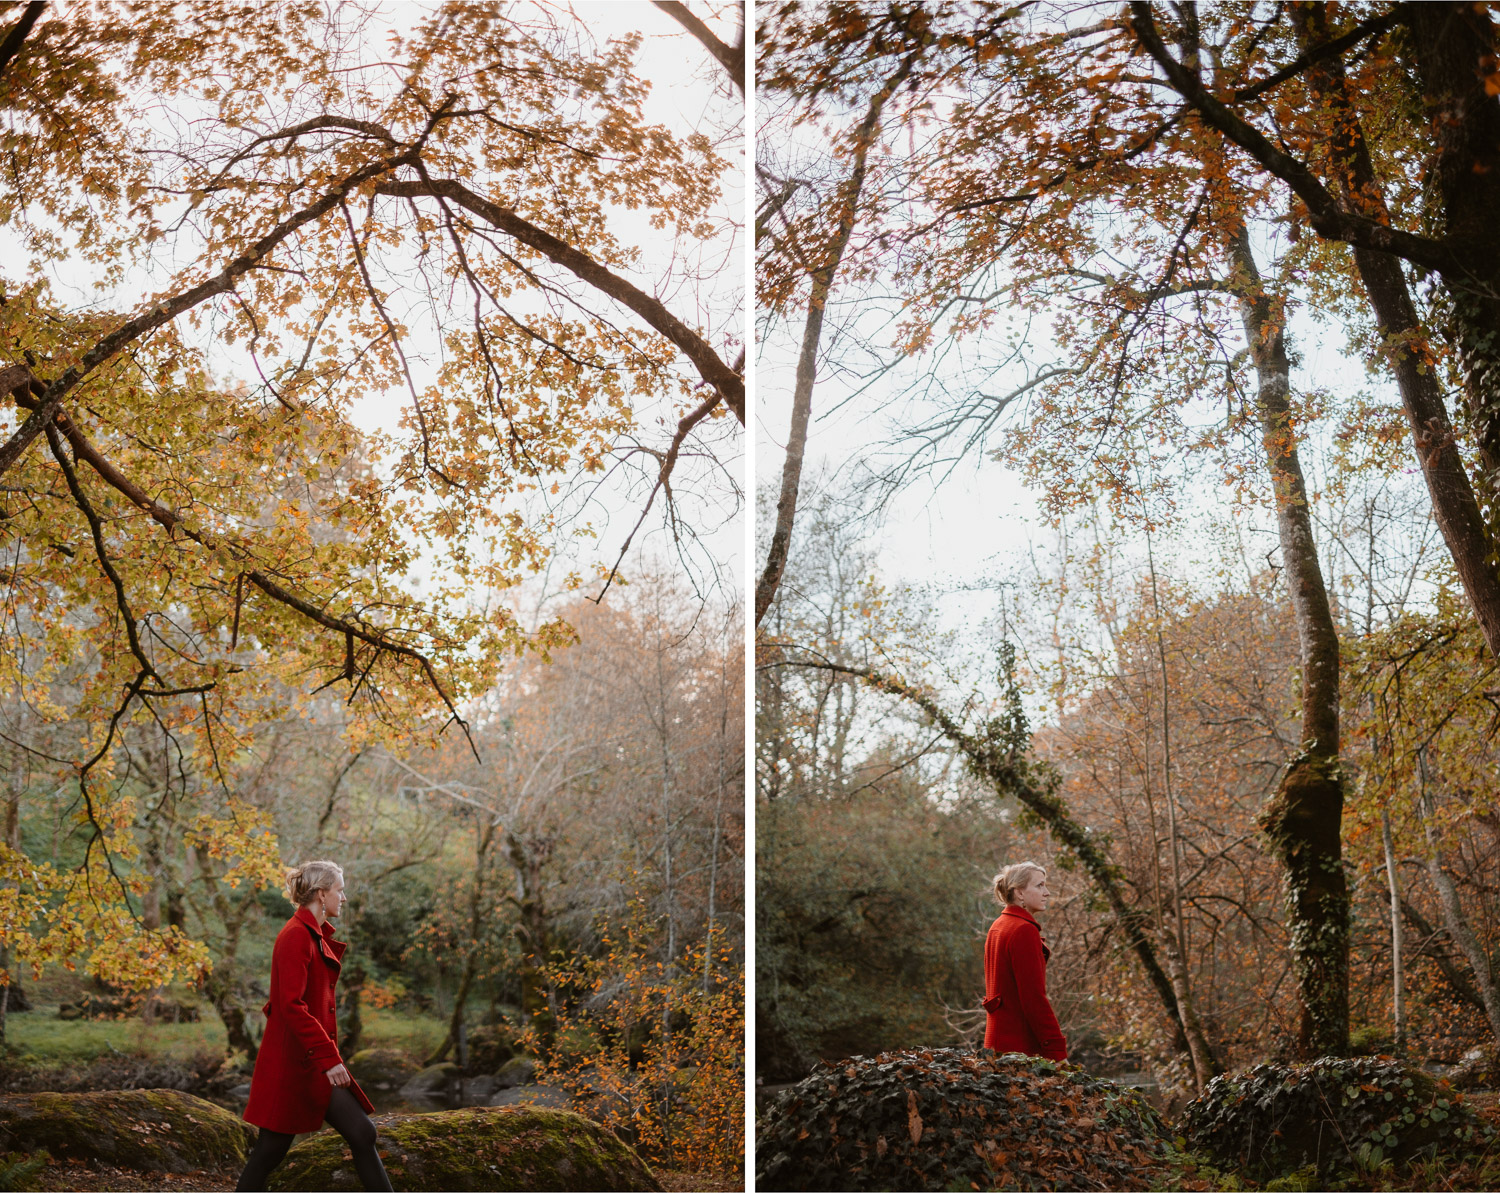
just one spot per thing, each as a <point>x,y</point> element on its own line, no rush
<point>333,899</point>
<point>1033,897</point>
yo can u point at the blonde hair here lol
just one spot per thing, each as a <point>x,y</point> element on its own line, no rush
<point>306,880</point>
<point>1015,878</point>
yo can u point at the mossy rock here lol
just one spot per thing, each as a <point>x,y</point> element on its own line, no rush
<point>433,1081</point>
<point>147,1130</point>
<point>945,1118</point>
<point>478,1148</point>
<point>382,1068</point>
<point>1274,1120</point>
<point>490,1046</point>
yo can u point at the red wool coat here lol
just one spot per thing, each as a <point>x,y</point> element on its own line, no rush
<point>1020,1018</point>
<point>290,1090</point>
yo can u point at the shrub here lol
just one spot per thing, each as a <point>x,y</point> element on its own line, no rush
<point>1272,1120</point>
<point>945,1118</point>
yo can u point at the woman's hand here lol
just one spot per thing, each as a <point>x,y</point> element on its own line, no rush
<point>338,1075</point>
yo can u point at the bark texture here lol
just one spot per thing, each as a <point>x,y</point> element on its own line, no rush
<point>1305,817</point>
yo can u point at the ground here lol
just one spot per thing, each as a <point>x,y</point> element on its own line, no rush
<point>82,1177</point>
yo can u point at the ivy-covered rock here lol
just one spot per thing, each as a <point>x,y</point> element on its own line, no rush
<point>1275,1119</point>
<point>945,1118</point>
<point>148,1130</point>
<point>477,1148</point>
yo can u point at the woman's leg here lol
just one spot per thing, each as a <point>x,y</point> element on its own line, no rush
<point>347,1117</point>
<point>269,1150</point>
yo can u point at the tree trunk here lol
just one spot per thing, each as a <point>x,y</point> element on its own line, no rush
<point>1455,921</point>
<point>1398,988</point>
<point>1451,973</point>
<point>812,334</point>
<point>1452,47</point>
<point>531,933</point>
<point>1304,819</point>
<point>351,990</point>
<point>1458,513</point>
<point>482,842</point>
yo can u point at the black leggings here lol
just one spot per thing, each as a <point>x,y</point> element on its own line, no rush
<point>347,1117</point>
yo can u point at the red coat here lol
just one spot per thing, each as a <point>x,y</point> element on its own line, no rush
<point>1020,1018</point>
<point>289,1091</point>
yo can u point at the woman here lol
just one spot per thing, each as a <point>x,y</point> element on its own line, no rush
<point>1020,1018</point>
<point>300,1079</point>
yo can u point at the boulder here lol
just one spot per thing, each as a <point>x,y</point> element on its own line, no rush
<point>478,1148</point>
<point>432,1082</point>
<point>148,1130</point>
<point>1479,1068</point>
<point>533,1095</point>
<point>475,1091</point>
<point>490,1046</point>
<point>946,1118</point>
<point>381,1068</point>
<point>520,1071</point>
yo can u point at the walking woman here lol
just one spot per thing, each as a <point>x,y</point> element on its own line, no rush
<point>1020,1018</point>
<point>300,1079</point>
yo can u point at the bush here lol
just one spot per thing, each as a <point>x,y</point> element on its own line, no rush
<point>945,1118</point>
<point>1273,1120</point>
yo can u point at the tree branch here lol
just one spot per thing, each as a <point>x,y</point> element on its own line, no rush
<point>710,366</point>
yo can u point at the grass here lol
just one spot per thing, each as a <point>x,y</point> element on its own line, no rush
<point>410,1032</point>
<point>41,1037</point>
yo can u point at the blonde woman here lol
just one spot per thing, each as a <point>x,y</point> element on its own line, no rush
<point>1020,1017</point>
<point>300,1080</point>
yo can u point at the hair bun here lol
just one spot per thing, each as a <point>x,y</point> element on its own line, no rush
<point>306,880</point>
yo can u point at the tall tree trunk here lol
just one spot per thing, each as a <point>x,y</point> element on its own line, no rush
<point>1458,513</point>
<point>532,934</point>
<point>1304,819</point>
<point>1398,987</point>
<point>812,334</point>
<point>1452,46</point>
<point>1170,926</point>
<point>482,841</point>
<point>1453,914</point>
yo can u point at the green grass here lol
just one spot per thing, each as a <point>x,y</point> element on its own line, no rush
<point>42,1037</point>
<point>409,1032</point>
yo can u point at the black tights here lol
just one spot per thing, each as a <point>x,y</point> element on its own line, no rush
<point>347,1117</point>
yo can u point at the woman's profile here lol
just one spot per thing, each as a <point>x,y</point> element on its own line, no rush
<point>1019,1018</point>
<point>300,1080</point>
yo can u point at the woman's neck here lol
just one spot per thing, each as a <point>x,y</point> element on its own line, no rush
<point>317,914</point>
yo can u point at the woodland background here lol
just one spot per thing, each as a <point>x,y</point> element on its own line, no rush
<point>1128,371</point>
<point>371,489</point>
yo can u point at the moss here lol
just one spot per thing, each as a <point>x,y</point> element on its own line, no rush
<point>477,1148</point>
<point>381,1068</point>
<point>148,1130</point>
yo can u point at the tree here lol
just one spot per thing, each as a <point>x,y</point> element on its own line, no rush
<point>270,194</point>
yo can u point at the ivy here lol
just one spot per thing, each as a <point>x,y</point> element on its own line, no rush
<point>1272,1121</point>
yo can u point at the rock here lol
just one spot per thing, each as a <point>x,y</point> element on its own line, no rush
<point>490,1046</point>
<point>241,1092</point>
<point>432,1082</point>
<point>381,1068</point>
<point>949,1118</point>
<point>1479,1068</point>
<point>520,1071</point>
<point>475,1091</point>
<point>148,1130</point>
<point>473,1149</point>
<point>533,1095</point>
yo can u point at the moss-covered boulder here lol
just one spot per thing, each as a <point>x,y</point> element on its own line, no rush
<point>148,1130</point>
<point>479,1148</point>
<point>432,1082</point>
<point>1274,1119</point>
<point>382,1068</point>
<point>944,1118</point>
<point>490,1046</point>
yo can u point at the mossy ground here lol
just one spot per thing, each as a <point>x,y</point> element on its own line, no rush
<point>478,1148</point>
<point>151,1130</point>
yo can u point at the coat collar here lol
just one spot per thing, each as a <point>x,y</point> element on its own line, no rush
<point>1022,914</point>
<point>333,949</point>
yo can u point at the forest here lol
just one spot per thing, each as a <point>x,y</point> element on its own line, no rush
<point>1129,507</point>
<point>371,485</point>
